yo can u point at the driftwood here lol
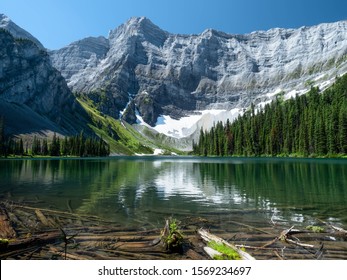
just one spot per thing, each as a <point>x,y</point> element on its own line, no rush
<point>42,218</point>
<point>212,252</point>
<point>39,236</point>
<point>191,254</point>
<point>210,237</point>
<point>20,246</point>
<point>287,234</point>
<point>339,229</point>
<point>54,212</point>
<point>6,229</point>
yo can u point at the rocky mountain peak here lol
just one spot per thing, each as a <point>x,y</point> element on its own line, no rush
<point>87,53</point>
<point>16,31</point>
<point>212,70</point>
<point>140,27</point>
<point>34,97</point>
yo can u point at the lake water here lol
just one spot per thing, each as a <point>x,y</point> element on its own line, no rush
<point>143,191</point>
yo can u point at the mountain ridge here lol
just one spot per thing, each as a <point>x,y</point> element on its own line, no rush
<point>161,73</point>
<point>163,83</point>
<point>16,31</point>
<point>34,97</point>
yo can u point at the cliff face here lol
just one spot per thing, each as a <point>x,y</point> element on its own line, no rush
<point>16,31</point>
<point>34,96</point>
<point>152,72</point>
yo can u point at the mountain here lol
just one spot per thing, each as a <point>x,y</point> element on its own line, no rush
<point>311,125</point>
<point>16,31</point>
<point>34,97</point>
<point>167,86</point>
<point>35,100</point>
<point>141,73</point>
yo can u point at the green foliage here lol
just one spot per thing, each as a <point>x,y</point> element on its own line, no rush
<point>173,240</point>
<point>121,136</point>
<point>227,252</point>
<point>316,229</point>
<point>2,136</point>
<point>314,124</point>
<point>71,146</point>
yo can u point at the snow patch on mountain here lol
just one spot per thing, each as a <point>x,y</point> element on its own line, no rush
<point>186,126</point>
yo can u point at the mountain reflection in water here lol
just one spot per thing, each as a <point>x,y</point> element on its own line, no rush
<point>135,190</point>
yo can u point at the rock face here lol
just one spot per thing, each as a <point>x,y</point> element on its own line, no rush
<point>80,56</point>
<point>16,31</point>
<point>160,73</point>
<point>32,91</point>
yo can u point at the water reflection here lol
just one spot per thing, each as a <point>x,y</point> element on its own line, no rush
<point>146,189</point>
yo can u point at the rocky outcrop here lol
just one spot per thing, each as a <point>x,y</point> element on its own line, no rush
<point>80,56</point>
<point>16,31</point>
<point>168,74</point>
<point>32,87</point>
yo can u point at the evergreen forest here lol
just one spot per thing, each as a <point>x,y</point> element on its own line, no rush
<point>78,145</point>
<point>310,125</point>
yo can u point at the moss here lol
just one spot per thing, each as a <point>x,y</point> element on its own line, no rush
<point>227,252</point>
<point>316,229</point>
<point>3,243</point>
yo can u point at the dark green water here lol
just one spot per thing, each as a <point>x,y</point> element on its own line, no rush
<point>145,190</point>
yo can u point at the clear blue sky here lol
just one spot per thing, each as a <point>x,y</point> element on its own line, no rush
<point>57,23</point>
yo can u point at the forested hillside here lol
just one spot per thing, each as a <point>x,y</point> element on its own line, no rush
<point>79,145</point>
<point>314,124</point>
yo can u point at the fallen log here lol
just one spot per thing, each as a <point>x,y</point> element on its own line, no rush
<point>42,218</point>
<point>37,240</point>
<point>191,254</point>
<point>208,237</point>
<point>67,256</point>
<point>212,253</point>
<point>286,234</point>
<point>6,229</point>
<point>56,212</point>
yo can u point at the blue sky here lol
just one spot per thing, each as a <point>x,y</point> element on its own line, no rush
<point>57,23</point>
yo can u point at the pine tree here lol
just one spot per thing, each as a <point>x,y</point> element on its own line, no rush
<point>2,136</point>
<point>319,135</point>
<point>44,148</point>
<point>342,136</point>
<point>21,147</point>
<point>65,150</point>
<point>36,147</point>
<point>312,124</point>
<point>55,146</point>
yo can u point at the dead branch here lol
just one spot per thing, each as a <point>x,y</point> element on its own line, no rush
<point>286,237</point>
<point>210,237</point>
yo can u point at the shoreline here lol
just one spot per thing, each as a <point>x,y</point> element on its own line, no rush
<point>149,156</point>
<point>37,233</point>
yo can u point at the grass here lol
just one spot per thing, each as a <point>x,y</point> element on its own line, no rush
<point>121,136</point>
<point>121,141</point>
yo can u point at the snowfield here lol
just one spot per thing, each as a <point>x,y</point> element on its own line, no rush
<point>186,126</point>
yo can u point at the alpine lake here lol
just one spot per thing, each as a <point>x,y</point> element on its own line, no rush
<point>142,192</point>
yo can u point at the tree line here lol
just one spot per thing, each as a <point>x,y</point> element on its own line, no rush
<point>78,145</point>
<point>314,124</point>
